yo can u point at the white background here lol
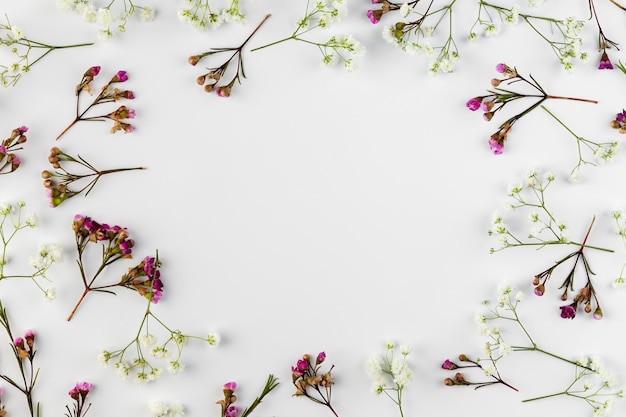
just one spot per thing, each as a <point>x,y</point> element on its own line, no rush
<point>313,210</point>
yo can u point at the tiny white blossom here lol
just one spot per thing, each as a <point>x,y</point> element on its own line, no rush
<point>147,14</point>
<point>17,32</point>
<point>103,17</point>
<point>148,340</point>
<point>50,294</point>
<point>214,339</point>
<point>121,369</point>
<point>104,357</point>
<point>177,410</point>
<point>158,409</point>
<point>405,9</point>
<point>374,366</point>
<point>491,30</point>
<point>175,367</point>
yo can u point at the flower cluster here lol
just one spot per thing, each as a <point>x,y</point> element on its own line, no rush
<point>57,182</point>
<point>201,16</point>
<point>118,116</point>
<point>210,80</point>
<point>342,49</point>
<point>311,382</point>
<point>11,222</point>
<point>115,244</point>
<point>417,32</point>
<point>591,382</point>
<point>20,48</point>
<point>79,395</point>
<point>497,98</point>
<point>619,122</point>
<point>620,222</point>
<point>158,409</point>
<point>562,35</point>
<point>231,410</point>
<point>390,373</point>
<point>9,162</point>
<point>111,18</point>
<point>23,349</point>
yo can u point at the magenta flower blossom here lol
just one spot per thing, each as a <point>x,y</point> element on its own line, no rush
<point>231,411</point>
<point>501,68</point>
<point>120,77</point>
<point>474,103</point>
<point>300,368</point>
<point>374,15</point>
<point>22,129</point>
<point>449,365</point>
<point>18,342</point>
<point>540,290</point>
<point>95,70</point>
<point>605,62</point>
<point>231,386</point>
<point>320,358</point>
<point>496,147</point>
<point>568,311</point>
<point>80,390</point>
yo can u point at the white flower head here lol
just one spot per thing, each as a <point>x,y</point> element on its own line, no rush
<point>177,410</point>
<point>374,366</point>
<point>17,32</point>
<point>158,409</point>
<point>405,9</point>
<point>147,14</point>
<point>175,367</point>
<point>121,369</point>
<point>103,17</point>
<point>214,339</point>
<point>148,340</point>
<point>491,30</point>
<point>31,220</point>
<point>50,294</point>
<point>6,208</point>
<point>104,357</point>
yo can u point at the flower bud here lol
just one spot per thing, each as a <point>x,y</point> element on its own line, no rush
<point>615,124</point>
<point>462,357</point>
<point>540,290</point>
<point>597,314</point>
<point>201,79</point>
<point>448,382</point>
<point>193,60</point>
<point>495,82</point>
<point>587,308</point>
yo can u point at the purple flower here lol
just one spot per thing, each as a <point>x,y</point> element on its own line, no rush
<point>320,358</point>
<point>3,149</point>
<point>495,146</point>
<point>120,77</point>
<point>473,103</point>
<point>501,68</point>
<point>621,117</point>
<point>374,15</point>
<point>568,311</point>
<point>230,386</point>
<point>605,62</point>
<point>22,129</point>
<point>540,290</point>
<point>449,365</point>
<point>231,411</point>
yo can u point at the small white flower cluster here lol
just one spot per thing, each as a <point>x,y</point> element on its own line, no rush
<point>107,18</point>
<point>620,221</point>
<point>342,48</point>
<point>324,14</point>
<point>590,370</point>
<point>605,152</point>
<point>201,17</point>
<point>390,372</point>
<point>158,409</point>
<point>544,227</point>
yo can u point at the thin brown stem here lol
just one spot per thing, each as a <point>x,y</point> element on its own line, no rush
<point>573,98</point>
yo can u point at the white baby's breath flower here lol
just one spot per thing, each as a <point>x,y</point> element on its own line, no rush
<point>160,352</point>
<point>158,409</point>
<point>148,340</point>
<point>374,366</point>
<point>491,30</point>
<point>405,9</point>
<point>50,294</point>
<point>121,369</point>
<point>177,410</point>
<point>175,367</point>
<point>214,339</point>
<point>147,14</point>
<point>520,296</point>
<point>17,32</point>
<point>489,370</point>
<point>31,220</point>
<point>104,357</point>
<point>103,17</point>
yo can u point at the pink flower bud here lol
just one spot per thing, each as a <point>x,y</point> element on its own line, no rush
<point>231,386</point>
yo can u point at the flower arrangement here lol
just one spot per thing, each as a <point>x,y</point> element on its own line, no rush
<point>21,48</point>
<point>338,48</point>
<point>390,373</point>
<point>13,221</point>
<point>227,404</point>
<point>105,96</point>
<point>115,245</point>
<point>9,162</point>
<point>210,80</point>
<point>79,395</point>
<point>201,16</point>
<point>23,349</point>
<point>499,97</point>
<point>57,182</point>
<point>592,383</point>
<point>111,18</point>
<point>416,33</point>
<point>311,382</point>
<point>562,35</point>
<point>547,230</point>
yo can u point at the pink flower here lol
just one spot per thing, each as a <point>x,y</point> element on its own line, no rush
<point>473,103</point>
<point>605,62</point>
<point>598,314</point>
<point>495,146</point>
<point>374,15</point>
<point>81,389</point>
<point>231,411</point>
<point>501,68</point>
<point>231,386</point>
<point>19,342</point>
<point>540,290</point>
<point>449,365</point>
<point>120,77</point>
<point>568,311</point>
<point>95,70</point>
<point>320,358</point>
<point>22,129</point>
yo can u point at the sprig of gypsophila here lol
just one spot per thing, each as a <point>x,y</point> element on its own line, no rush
<point>620,222</point>
<point>23,349</point>
<point>416,33</point>
<point>562,35</point>
<point>201,16</point>
<point>231,410</point>
<point>9,162</point>
<point>146,346</point>
<point>105,96</point>
<point>111,17</point>
<point>604,43</point>
<point>214,76</point>
<point>12,222</point>
<point>499,97</point>
<point>57,182</point>
<point>603,152</point>
<point>311,382</point>
<point>591,382</point>
<point>21,48</point>
<point>338,48</point>
<point>390,373</point>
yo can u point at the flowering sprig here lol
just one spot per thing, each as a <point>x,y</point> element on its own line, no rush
<point>111,18</point>
<point>591,382</point>
<point>145,344</point>
<point>620,222</point>
<point>604,43</point>
<point>9,162</point>
<point>21,48</point>
<point>231,410</point>
<point>105,96</point>
<point>115,245</point>
<point>79,395</point>
<point>214,76</point>
<point>603,152</point>
<point>311,383</point>
<point>57,182</point>
<point>562,35</point>
<point>391,373</point>
<point>497,98</point>
<point>159,409</point>
<point>11,222</point>
<point>338,48</point>
<point>23,349</point>
<point>201,16</point>
<point>418,30</point>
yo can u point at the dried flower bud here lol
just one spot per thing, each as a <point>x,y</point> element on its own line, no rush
<point>208,88</point>
<point>495,82</point>
<point>448,382</point>
<point>462,357</point>
<point>46,174</point>
<point>194,59</point>
<point>540,290</point>
<point>615,124</point>
<point>201,79</point>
